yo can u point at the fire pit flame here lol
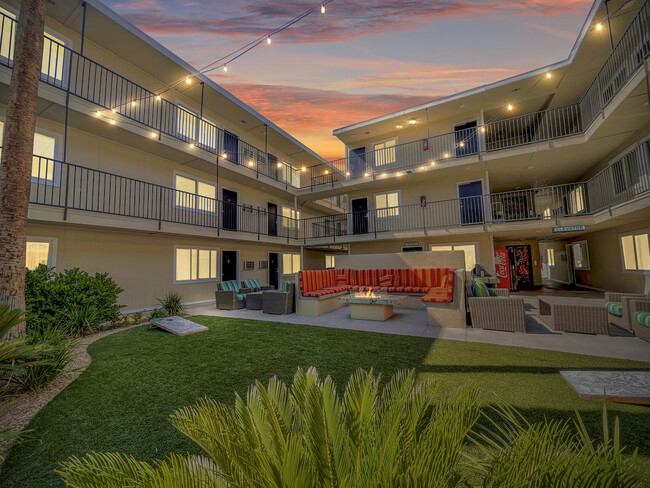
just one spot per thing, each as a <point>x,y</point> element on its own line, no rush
<point>366,294</point>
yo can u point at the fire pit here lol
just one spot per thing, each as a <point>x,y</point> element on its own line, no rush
<point>371,305</point>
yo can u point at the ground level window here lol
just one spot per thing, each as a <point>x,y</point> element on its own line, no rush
<point>635,248</point>
<point>470,250</point>
<point>195,264</point>
<point>330,261</point>
<point>290,263</point>
<point>580,255</point>
<point>40,250</point>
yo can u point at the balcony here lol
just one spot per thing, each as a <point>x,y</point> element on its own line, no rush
<point>114,95</point>
<point>71,187</point>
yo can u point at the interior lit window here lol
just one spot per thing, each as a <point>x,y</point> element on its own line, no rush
<point>576,197</point>
<point>40,251</point>
<point>550,257</point>
<point>8,39</point>
<point>330,261</point>
<point>635,248</point>
<point>43,167</point>
<point>186,124</point>
<point>470,250</point>
<point>195,264</point>
<point>387,204</point>
<point>53,57</point>
<point>195,194</point>
<point>290,217</point>
<point>385,152</point>
<point>290,263</point>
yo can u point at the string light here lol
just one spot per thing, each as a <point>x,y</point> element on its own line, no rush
<point>112,122</point>
<point>225,68</point>
<point>446,155</point>
<point>383,175</point>
<point>462,144</point>
<point>322,8</point>
<point>268,39</point>
<point>412,122</point>
<point>347,173</point>
<point>98,113</point>
<point>365,174</point>
<point>153,134</point>
<point>158,97</point>
<point>279,165</point>
<point>510,107</point>
<point>548,75</point>
<point>399,126</point>
<point>188,80</point>
<point>433,163</point>
<point>133,103</point>
<point>113,110</point>
<point>250,163</point>
<point>482,129</point>
<point>599,26</point>
<point>304,169</point>
<point>224,156</point>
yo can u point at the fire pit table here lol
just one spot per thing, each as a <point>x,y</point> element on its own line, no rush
<point>371,306</point>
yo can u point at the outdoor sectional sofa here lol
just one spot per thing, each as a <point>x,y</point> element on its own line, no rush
<point>318,291</point>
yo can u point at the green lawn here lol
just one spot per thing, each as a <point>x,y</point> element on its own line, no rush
<point>140,376</point>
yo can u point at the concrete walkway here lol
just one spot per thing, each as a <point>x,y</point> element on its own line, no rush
<point>409,322</point>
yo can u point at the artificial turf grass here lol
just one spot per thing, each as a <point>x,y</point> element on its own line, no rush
<point>139,377</point>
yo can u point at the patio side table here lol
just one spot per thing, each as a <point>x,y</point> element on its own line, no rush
<point>254,300</point>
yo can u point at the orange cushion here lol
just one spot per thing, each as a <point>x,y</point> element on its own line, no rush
<point>386,280</point>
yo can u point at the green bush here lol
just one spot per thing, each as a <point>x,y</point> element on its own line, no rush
<point>51,296</point>
<point>158,313</point>
<point>59,354</point>
<point>79,320</point>
<point>172,303</point>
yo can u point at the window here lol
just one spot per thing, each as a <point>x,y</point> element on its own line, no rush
<point>290,218</point>
<point>40,250</point>
<point>44,168</point>
<point>195,264</point>
<point>186,123</point>
<point>546,215</point>
<point>385,152</point>
<point>470,250</point>
<point>194,194</point>
<point>635,249</point>
<point>329,261</point>
<point>550,257</point>
<point>576,199</point>
<point>290,263</point>
<point>8,40</point>
<point>387,205</point>
<point>580,255</point>
<point>207,134</point>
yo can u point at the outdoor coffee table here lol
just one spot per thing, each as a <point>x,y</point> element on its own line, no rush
<point>254,300</point>
<point>572,314</point>
<point>372,308</point>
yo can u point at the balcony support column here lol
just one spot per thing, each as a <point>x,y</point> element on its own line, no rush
<point>83,29</point>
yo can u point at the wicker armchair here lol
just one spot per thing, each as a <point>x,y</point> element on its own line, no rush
<point>229,296</point>
<point>499,311</point>
<point>279,302</point>
<point>254,285</point>
<point>642,305</point>
<point>622,317</point>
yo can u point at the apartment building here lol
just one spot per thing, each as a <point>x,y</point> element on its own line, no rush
<point>157,175</point>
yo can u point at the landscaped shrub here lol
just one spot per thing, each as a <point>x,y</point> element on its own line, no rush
<point>172,303</point>
<point>51,297</point>
<point>406,434</point>
<point>158,313</point>
<point>58,356</point>
<point>79,320</point>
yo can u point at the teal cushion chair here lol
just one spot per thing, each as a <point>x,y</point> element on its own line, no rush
<point>253,285</point>
<point>640,311</point>
<point>618,308</point>
<point>229,296</point>
<point>479,289</point>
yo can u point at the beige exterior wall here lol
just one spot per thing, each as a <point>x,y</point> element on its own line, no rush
<point>143,264</point>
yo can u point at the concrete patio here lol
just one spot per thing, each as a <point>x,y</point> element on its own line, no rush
<point>619,344</point>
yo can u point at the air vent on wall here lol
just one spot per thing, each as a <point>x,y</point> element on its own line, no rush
<point>263,265</point>
<point>248,265</point>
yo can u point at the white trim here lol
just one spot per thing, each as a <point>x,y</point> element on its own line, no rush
<point>52,251</point>
<point>620,247</point>
<point>197,280</point>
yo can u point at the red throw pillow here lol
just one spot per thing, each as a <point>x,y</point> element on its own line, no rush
<point>386,280</point>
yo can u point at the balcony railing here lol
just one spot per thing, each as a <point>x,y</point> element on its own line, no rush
<point>72,187</point>
<point>116,95</point>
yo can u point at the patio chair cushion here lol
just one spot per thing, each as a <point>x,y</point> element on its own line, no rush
<point>230,286</point>
<point>316,280</point>
<point>343,277</point>
<point>479,289</point>
<point>252,283</point>
<point>615,308</point>
<point>241,296</point>
<point>642,318</point>
<point>439,295</point>
<point>330,290</point>
<point>286,285</point>
<point>386,280</point>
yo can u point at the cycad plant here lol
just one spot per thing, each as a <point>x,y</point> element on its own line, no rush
<point>402,435</point>
<point>172,303</point>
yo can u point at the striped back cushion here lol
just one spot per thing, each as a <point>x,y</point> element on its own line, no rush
<point>316,280</point>
<point>286,285</point>
<point>252,283</point>
<point>230,286</point>
<point>386,280</point>
<point>479,289</point>
<point>343,276</point>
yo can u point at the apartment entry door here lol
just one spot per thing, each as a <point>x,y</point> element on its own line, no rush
<point>274,275</point>
<point>228,265</point>
<point>272,215</point>
<point>357,162</point>
<point>231,146</point>
<point>466,139</point>
<point>229,210</point>
<point>360,215</point>
<point>521,259</point>
<point>470,201</point>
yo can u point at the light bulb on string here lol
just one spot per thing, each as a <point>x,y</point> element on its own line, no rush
<point>268,39</point>
<point>157,97</point>
<point>322,8</point>
<point>225,68</point>
<point>188,80</point>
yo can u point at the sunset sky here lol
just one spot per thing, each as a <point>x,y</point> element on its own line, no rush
<point>361,58</point>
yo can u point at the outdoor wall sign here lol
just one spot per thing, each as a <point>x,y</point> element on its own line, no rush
<point>411,243</point>
<point>569,228</point>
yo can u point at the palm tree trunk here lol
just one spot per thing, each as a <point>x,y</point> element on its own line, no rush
<point>16,165</point>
